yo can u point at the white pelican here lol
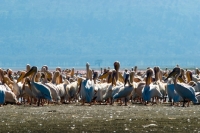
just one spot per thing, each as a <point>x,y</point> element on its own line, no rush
<point>171,92</point>
<point>118,75</point>
<point>26,88</point>
<point>6,95</point>
<point>49,74</point>
<point>150,90</point>
<point>190,80</point>
<point>16,87</point>
<point>113,87</point>
<point>100,88</point>
<point>52,86</point>
<point>158,81</point>
<point>39,90</point>
<point>67,90</point>
<point>126,91</point>
<point>184,90</point>
<point>87,87</point>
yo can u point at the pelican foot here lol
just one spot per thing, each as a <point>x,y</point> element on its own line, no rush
<point>18,103</point>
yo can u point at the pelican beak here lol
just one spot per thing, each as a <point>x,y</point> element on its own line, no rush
<point>116,65</point>
<point>43,75</point>
<point>131,74</point>
<point>79,80</point>
<point>126,79</point>
<point>56,74</point>
<point>148,79</point>
<point>181,80</point>
<point>173,73</point>
<point>189,75</point>
<point>6,79</point>
<point>49,75</point>
<point>31,71</point>
<point>20,78</point>
<point>104,75</point>
<point>113,78</point>
<point>120,78</point>
<point>149,74</point>
<point>72,72</point>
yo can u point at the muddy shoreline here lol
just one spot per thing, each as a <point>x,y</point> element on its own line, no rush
<point>99,118</point>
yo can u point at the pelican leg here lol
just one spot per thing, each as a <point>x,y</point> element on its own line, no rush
<point>125,101</point>
<point>42,102</point>
<point>170,100</point>
<point>172,103</point>
<point>145,102</point>
<point>24,100</point>
<point>111,101</point>
<point>188,103</point>
<point>121,102</point>
<point>38,104</point>
<point>90,103</point>
<point>183,103</point>
<point>83,102</point>
<point>30,101</point>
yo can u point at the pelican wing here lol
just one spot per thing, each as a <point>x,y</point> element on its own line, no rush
<point>87,90</point>
<point>121,78</point>
<point>123,92</point>
<point>146,93</point>
<point>2,96</point>
<point>186,92</point>
<point>45,92</point>
<point>172,94</point>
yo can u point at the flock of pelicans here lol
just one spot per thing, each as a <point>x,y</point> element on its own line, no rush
<point>153,86</point>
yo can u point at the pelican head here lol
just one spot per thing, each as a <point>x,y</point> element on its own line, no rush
<point>117,65</point>
<point>28,67</point>
<point>9,71</point>
<point>58,69</point>
<point>113,75</point>
<point>176,72</point>
<point>156,72</point>
<point>95,75</point>
<point>27,80</point>
<point>42,75</point>
<point>189,75</point>
<point>135,68</point>
<point>31,71</point>
<point>57,73</point>
<point>107,74</point>
<point>7,80</point>
<point>197,71</point>
<point>156,69</point>
<point>1,72</point>
<point>132,74</point>
<point>45,67</point>
<point>126,79</point>
<point>72,72</point>
<point>79,80</point>
<point>182,72</point>
<point>149,74</point>
<point>87,64</point>
<point>22,73</point>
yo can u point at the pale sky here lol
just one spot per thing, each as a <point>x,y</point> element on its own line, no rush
<point>73,32</point>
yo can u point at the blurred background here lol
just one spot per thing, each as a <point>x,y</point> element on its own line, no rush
<point>69,33</point>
